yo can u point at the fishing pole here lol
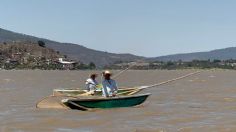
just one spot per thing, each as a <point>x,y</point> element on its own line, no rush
<point>118,74</point>
<point>158,84</point>
<point>168,81</point>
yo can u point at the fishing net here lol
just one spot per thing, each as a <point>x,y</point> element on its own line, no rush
<point>53,102</point>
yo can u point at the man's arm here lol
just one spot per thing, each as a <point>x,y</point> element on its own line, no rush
<point>115,86</point>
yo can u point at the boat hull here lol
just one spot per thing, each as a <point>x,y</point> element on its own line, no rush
<point>104,103</point>
<point>78,92</point>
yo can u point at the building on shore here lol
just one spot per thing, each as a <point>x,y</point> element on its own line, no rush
<point>66,64</point>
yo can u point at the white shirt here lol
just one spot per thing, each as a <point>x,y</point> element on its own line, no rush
<point>90,84</point>
<point>109,87</point>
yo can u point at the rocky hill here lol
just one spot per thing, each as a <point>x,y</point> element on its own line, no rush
<point>28,55</point>
<point>27,48</point>
<point>73,51</point>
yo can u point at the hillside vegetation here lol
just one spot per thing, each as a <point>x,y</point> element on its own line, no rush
<point>27,55</point>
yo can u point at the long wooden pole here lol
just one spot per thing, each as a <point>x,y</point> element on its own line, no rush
<point>118,74</point>
<point>168,81</point>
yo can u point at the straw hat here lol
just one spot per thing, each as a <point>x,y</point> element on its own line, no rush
<point>107,72</point>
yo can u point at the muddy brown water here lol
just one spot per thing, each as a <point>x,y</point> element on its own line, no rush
<point>204,102</point>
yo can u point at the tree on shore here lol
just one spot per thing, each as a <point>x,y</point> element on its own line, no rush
<point>92,65</point>
<point>41,43</point>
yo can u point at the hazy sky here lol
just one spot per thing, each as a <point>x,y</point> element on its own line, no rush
<point>142,27</point>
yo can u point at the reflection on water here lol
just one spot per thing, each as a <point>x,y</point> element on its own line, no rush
<point>204,102</point>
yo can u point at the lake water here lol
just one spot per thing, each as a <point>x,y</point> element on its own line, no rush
<point>201,103</point>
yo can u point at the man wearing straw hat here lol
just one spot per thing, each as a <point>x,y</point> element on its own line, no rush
<point>91,84</point>
<point>109,85</point>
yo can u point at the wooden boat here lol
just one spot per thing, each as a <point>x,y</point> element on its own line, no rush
<point>102,102</point>
<point>78,92</point>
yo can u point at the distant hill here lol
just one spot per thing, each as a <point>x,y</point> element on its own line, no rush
<point>221,54</point>
<point>73,51</point>
<point>101,58</point>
